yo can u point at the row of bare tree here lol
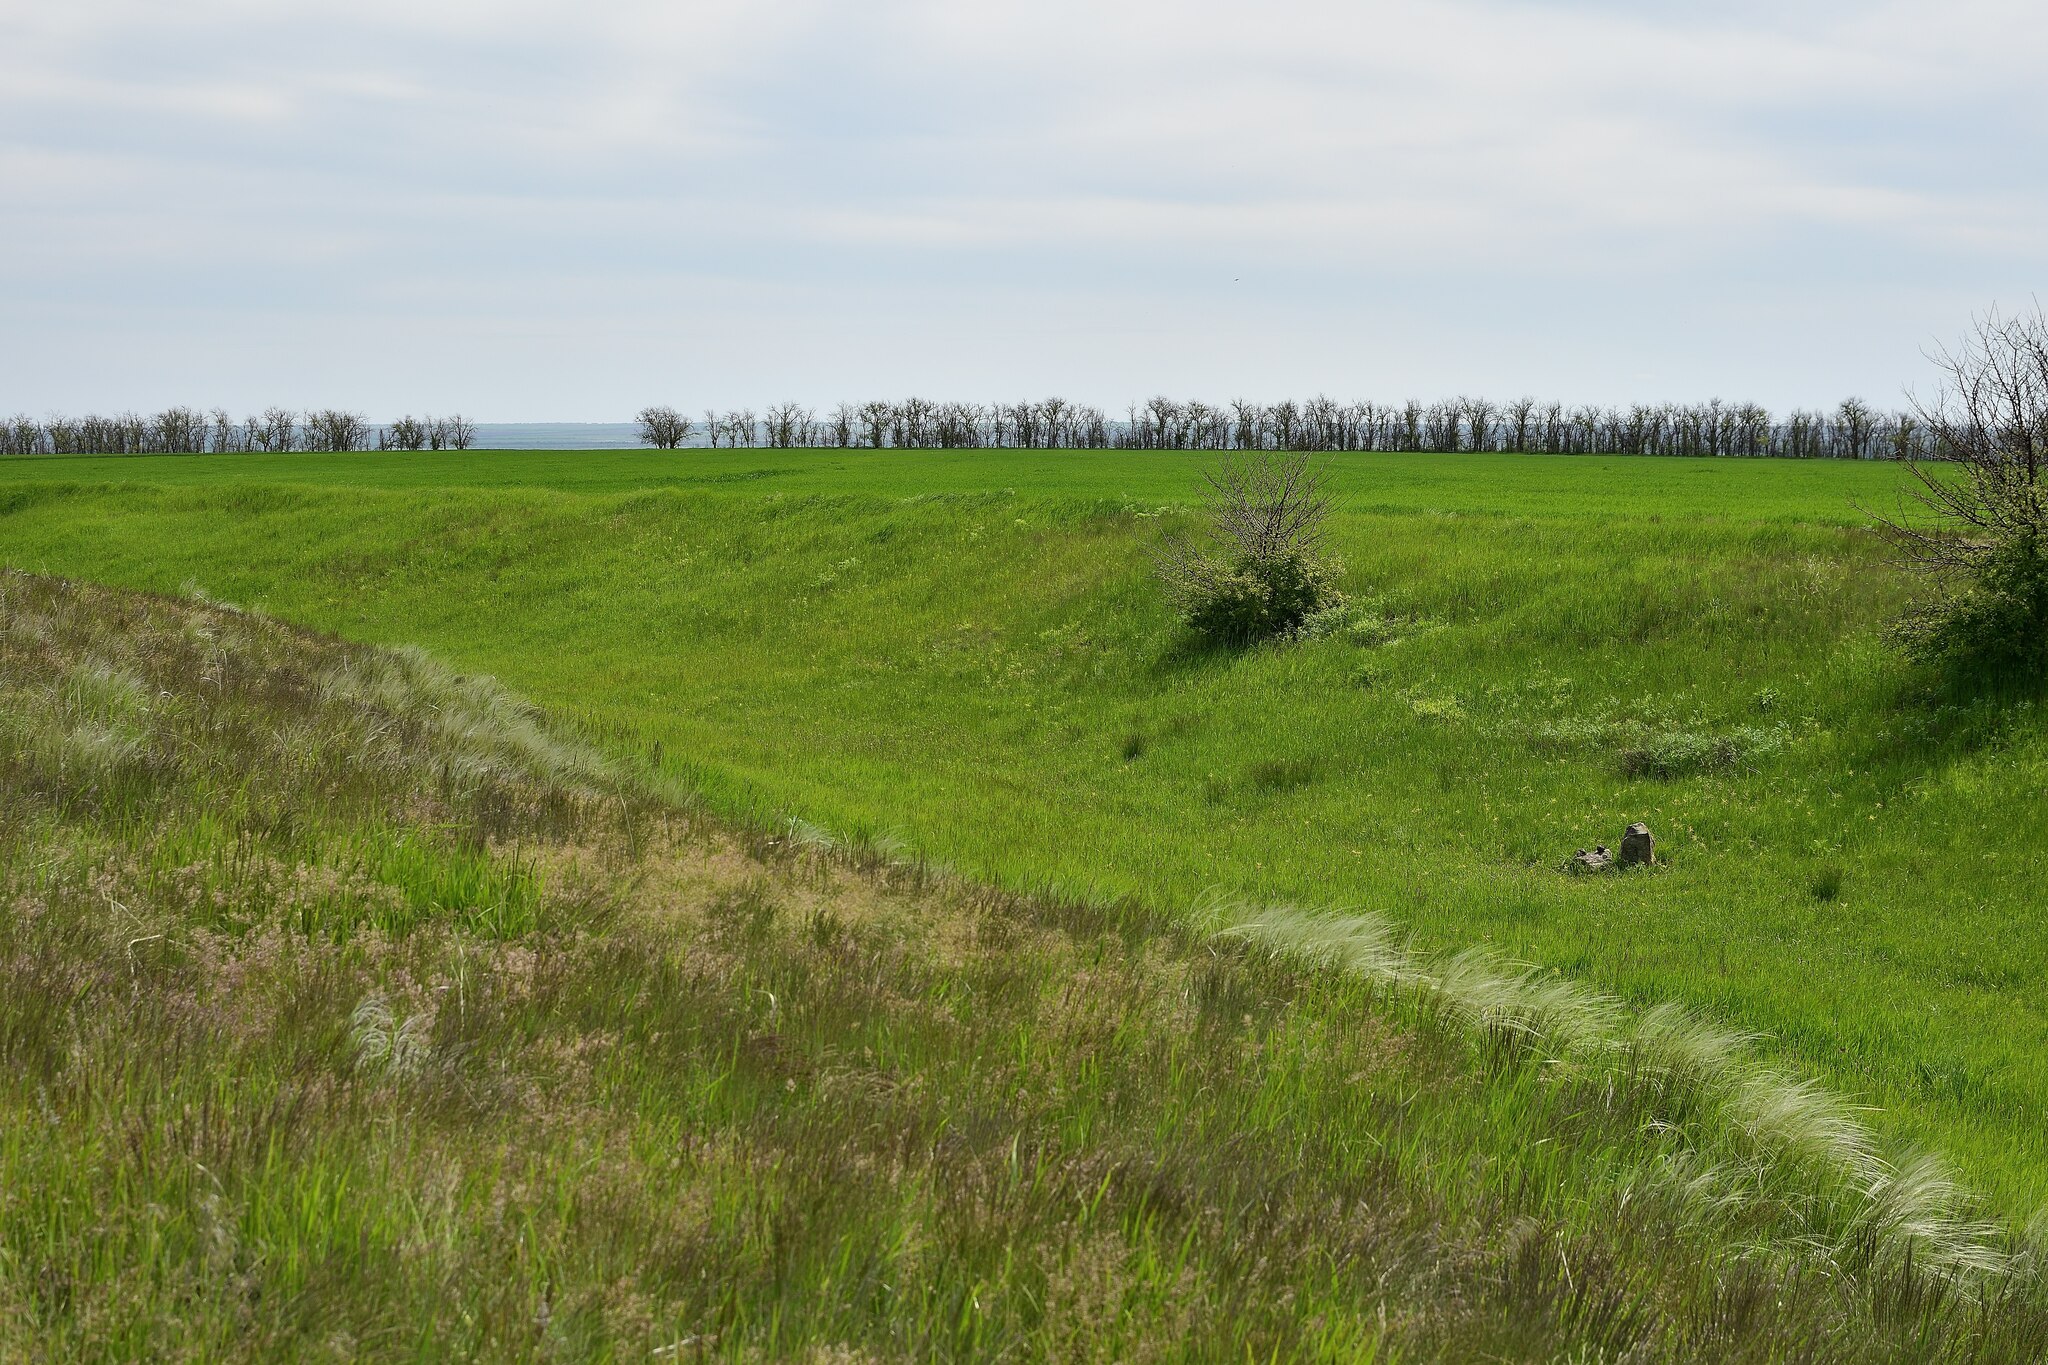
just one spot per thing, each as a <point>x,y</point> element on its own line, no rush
<point>1853,431</point>
<point>188,431</point>
<point>914,423</point>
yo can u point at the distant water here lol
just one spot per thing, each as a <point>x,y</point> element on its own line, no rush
<point>556,436</point>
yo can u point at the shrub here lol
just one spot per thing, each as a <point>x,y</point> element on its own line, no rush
<point>1687,753</point>
<point>1258,574</point>
<point>1251,599</point>
<point>1986,546</point>
<point>1994,617</point>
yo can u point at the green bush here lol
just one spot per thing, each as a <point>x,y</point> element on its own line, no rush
<point>1258,573</point>
<point>1257,599</point>
<point>1996,620</point>
<point>1688,753</point>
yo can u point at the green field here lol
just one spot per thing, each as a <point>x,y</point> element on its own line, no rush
<point>964,651</point>
<point>352,1012</point>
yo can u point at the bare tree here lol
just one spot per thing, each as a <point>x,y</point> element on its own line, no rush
<point>1982,529</point>
<point>1479,415</point>
<point>23,435</point>
<point>663,427</point>
<point>408,433</point>
<point>1989,415</point>
<point>789,424</point>
<point>875,421</point>
<point>276,430</point>
<point>176,431</point>
<point>1855,429</point>
<point>333,429</point>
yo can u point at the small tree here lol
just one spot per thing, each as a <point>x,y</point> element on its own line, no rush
<point>335,429</point>
<point>1987,545</point>
<point>409,433</point>
<point>1258,572</point>
<point>276,430</point>
<point>178,431</point>
<point>663,428</point>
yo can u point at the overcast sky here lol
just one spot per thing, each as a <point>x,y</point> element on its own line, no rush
<point>537,209</point>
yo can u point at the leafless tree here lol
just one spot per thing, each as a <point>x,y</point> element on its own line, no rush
<point>789,424</point>
<point>408,433</point>
<point>875,421</point>
<point>841,425</point>
<point>1520,416</point>
<point>276,430</point>
<point>1479,416</point>
<point>1855,429</point>
<point>23,435</point>
<point>334,429</point>
<point>1988,415</point>
<point>743,426</point>
<point>663,427</point>
<point>177,431</point>
<point>1269,504</point>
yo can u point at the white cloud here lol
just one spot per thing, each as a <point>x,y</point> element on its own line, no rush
<point>1506,179</point>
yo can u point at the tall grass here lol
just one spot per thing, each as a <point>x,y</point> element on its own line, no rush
<point>751,1094</point>
<point>965,653</point>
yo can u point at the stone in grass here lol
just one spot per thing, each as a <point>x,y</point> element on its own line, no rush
<point>1599,860</point>
<point>1638,849</point>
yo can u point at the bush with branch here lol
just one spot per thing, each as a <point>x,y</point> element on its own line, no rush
<point>1982,530</point>
<point>1258,571</point>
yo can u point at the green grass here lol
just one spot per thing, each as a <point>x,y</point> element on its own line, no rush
<point>1523,485</point>
<point>964,651</point>
<point>348,1011</point>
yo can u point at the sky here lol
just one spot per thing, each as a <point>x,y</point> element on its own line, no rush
<point>532,210</point>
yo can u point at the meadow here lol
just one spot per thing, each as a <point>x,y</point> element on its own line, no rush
<point>963,654</point>
<point>354,1011</point>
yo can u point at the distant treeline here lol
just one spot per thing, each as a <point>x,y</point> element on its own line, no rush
<point>1853,431</point>
<point>188,431</point>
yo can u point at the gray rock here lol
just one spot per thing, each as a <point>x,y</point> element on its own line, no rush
<point>1638,849</point>
<point>1599,860</point>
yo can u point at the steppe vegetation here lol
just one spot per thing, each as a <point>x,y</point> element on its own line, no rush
<point>969,653</point>
<point>353,1010</point>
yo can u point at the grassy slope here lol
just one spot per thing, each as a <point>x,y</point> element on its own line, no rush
<point>349,1015</point>
<point>989,674</point>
